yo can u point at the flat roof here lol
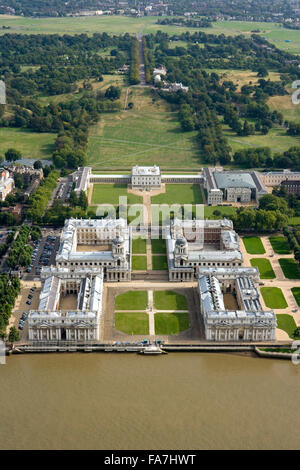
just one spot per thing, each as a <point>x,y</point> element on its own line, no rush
<point>234,180</point>
<point>145,170</point>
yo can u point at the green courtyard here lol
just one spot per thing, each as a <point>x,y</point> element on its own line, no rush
<point>169,300</point>
<point>139,263</point>
<point>296,294</point>
<point>132,300</point>
<point>264,266</point>
<point>109,194</point>
<point>254,245</point>
<point>139,246</point>
<point>179,194</point>
<point>287,323</point>
<point>280,245</point>
<point>273,297</point>
<point>290,268</point>
<point>132,323</point>
<point>171,323</point>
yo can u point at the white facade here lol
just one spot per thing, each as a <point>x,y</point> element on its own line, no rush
<point>6,184</point>
<point>192,245</point>
<point>111,239</point>
<point>248,322</point>
<point>146,177</point>
<point>81,323</point>
<point>275,178</point>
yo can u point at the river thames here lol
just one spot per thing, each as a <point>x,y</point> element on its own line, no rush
<point>122,401</point>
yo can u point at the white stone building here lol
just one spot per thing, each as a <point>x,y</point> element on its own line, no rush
<point>231,308</point>
<point>103,244</point>
<point>70,306</point>
<point>81,178</point>
<point>195,244</point>
<point>275,178</point>
<point>6,184</point>
<point>146,177</point>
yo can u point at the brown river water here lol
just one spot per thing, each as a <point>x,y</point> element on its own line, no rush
<point>126,401</point>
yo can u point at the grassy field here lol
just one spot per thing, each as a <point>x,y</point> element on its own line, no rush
<point>290,111</point>
<point>132,300</point>
<point>179,194</point>
<point>294,221</point>
<point>264,267</point>
<point>290,268</point>
<point>274,32</point>
<point>30,144</point>
<point>280,245</point>
<point>148,134</point>
<point>254,245</point>
<point>276,139</point>
<point>139,263</point>
<point>242,77</point>
<point>169,300</point>
<point>159,263</point>
<point>132,323</point>
<point>287,323</point>
<point>158,246</point>
<point>273,297</point>
<point>296,294</point>
<point>110,193</point>
<point>139,246</point>
<point>171,323</point>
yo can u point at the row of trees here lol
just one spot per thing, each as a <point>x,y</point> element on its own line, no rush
<point>134,72</point>
<point>20,252</point>
<point>40,198</point>
<point>148,60</point>
<point>9,290</point>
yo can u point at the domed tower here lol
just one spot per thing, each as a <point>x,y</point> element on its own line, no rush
<point>118,247</point>
<point>181,247</point>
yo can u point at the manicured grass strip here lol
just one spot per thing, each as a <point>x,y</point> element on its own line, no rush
<point>264,267</point>
<point>132,323</point>
<point>139,263</point>
<point>139,246</point>
<point>280,245</point>
<point>254,245</point>
<point>218,212</point>
<point>296,294</point>
<point>290,268</point>
<point>179,194</point>
<point>171,323</point>
<point>159,263</point>
<point>273,297</point>
<point>158,246</point>
<point>169,300</point>
<point>110,193</point>
<point>287,323</point>
<point>132,300</point>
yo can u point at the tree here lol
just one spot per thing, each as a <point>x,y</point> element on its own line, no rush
<point>37,165</point>
<point>12,155</point>
<point>14,335</point>
<point>113,93</point>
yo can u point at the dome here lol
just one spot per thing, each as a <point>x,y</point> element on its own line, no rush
<point>118,240</point>
<point>181,241</point>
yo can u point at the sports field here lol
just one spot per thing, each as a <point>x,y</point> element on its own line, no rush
<point>147,134</point>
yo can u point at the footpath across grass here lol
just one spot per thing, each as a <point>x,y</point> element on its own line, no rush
<point>290,268</point>
<point>273,297</point>
<point>254,245</point>
<point>169,300</point>
<point>170,323</point>
<point>132,323</point>
<point>280,245</point>
<point>132,300</point>
<point>264,266</point>
<point>287,323</point>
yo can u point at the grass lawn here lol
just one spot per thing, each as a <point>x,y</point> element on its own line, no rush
<point>294,221</point>
<point>179,194</point>
<point>254,245</point>
<point>132,300</point>
<point>148,134</point>
<point>224,210</point>
<point>264,267</point>
<point>110,193</point>
<point>139,246</point>
<point>280,245</point>
<point>169,300</point>
<point>296,294</point>
<point>287,323</point>
<point>159,263</point>
<point>132,323</point>
<point>290,268</point>
<point>30,144</point>
<point>158,246</point>
<point>171,323</point>
<point>139,263</point>
<point>273,297</point>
